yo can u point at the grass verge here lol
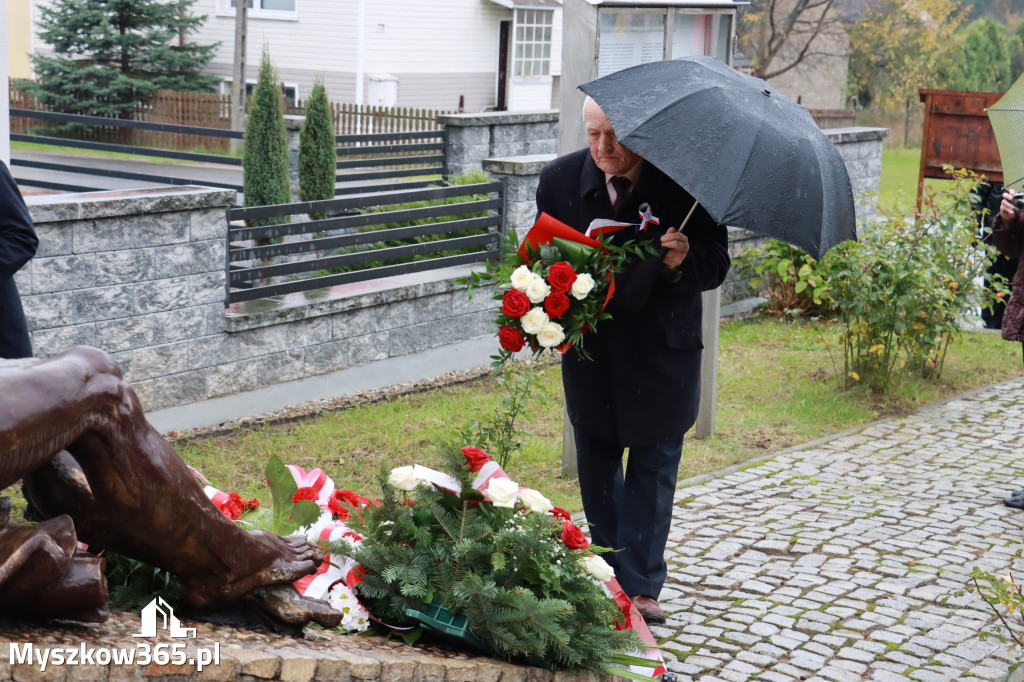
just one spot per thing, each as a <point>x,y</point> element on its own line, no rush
<point>777,388</point>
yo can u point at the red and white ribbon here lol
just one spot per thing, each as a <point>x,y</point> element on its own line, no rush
<point>315,479</point>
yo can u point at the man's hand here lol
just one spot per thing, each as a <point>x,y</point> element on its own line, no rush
<point>1007,211</point>
<point>678,246</point>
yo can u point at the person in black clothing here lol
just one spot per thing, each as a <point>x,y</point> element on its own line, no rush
<point>18,244</point>
<point>641,388</point>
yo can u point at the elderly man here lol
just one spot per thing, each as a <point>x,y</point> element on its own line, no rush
<point>74,431</point>
<point>641,390</point>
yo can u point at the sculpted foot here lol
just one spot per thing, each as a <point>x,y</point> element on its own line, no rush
<point>267,559</point>
<point>285,603</point>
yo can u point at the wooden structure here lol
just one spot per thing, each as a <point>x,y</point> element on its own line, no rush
<point>957,132</point>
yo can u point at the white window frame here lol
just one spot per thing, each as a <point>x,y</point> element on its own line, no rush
<point>530,42</point>
<point>225,87</point>
<point>226,9</point>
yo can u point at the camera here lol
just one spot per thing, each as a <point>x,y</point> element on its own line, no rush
<point>1018,202</point>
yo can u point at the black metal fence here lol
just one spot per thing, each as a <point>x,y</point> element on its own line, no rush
<point>113,124</point>
<point>403,155</point>
<point>359,238</point>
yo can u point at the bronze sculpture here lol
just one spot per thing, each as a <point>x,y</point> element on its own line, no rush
<point>75,432</point>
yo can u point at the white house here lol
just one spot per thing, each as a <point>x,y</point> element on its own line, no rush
<point>484,54</point>
<point>480,55</point>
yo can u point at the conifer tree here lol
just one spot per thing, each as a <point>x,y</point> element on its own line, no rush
<point>111,54</point>
<point>317,154</point>
<point>265,163</point>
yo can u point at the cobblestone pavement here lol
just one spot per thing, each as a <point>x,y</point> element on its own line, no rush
<point>831,562</point>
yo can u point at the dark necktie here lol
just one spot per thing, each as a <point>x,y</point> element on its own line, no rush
<point>621,185</point>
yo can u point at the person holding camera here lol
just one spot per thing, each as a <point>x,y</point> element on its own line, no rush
<point>1007,234</point>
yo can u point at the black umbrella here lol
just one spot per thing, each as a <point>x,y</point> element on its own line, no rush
<point>751,157</point>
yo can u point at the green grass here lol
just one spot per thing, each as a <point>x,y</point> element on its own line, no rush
<point>901,168</point>
<point>777,388</point>
<point>58,149</point>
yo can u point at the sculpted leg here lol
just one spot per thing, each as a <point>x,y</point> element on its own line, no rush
<point>140,499</point>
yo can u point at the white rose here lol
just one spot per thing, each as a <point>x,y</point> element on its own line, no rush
<point>521,278</point>
<point>534,501</point>
<point>534,320</point>
<point>551,335</point>
<point>598,567</point>
<point>403,478</point>
<point>537,290</point>
<point>502,492</point>
<point>582,286</point>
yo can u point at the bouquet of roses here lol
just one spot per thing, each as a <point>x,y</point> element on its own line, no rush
<point>558,288</point>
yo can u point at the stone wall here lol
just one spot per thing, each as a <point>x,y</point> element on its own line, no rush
<point>141,274</point>
<point>475,137</point>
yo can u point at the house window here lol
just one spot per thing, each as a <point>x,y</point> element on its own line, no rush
<point>260,6</point>
<point>533,42</point>
<point>289,92</point>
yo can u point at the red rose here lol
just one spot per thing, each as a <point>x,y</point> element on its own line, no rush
<point>475,458</point>
<point>561,277</point>
<point>306,493</point>
<point>560,513</point>
<point>573,537</point>
<point>556,304</point>
<point>510,338</point>
<point>515,303</point>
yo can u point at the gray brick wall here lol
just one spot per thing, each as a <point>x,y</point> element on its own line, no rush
<point>140,274</point>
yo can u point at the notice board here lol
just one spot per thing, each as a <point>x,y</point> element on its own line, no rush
<point>957,132</point>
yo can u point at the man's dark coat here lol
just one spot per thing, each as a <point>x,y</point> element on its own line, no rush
<point>17,246</point>
<point>642,386</point>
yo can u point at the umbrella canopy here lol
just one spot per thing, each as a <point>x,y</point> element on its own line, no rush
<point>751,157</point>
<point>1007,119</point>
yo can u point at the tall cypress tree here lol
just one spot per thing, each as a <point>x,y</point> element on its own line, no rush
<point>265,164</point>
<point>317,153</point>
<point>111,54</point>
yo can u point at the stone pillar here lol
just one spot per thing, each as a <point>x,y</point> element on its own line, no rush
<point>522,174</point>
<point>861,149</point>
<point>293,126</point>
<point>475,137</point>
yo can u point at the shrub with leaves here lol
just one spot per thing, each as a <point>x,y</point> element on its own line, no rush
<point>526,593</point>
<point>1006,598</point>
<point>902,291</point>
<point>793,282</point>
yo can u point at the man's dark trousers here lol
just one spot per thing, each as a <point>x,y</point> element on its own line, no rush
<point>634,511</point>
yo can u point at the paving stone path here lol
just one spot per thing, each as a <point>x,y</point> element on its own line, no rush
<point>831,562</point>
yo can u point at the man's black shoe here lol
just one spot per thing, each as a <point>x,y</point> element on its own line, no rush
<point>1015,500</point>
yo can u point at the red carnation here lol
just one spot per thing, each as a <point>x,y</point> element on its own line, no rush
<point>573,537</point>
<point>475,458</point>
<point>560,513</point>
<point>515,303</point>
<point>556,304</point>
<point>250,504</point>
<point>510,338</point>
<point>335,504</point>
<point>306,493</point>
<point>561,277</point>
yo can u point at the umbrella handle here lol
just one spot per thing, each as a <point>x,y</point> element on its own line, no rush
<point>687,218</point>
